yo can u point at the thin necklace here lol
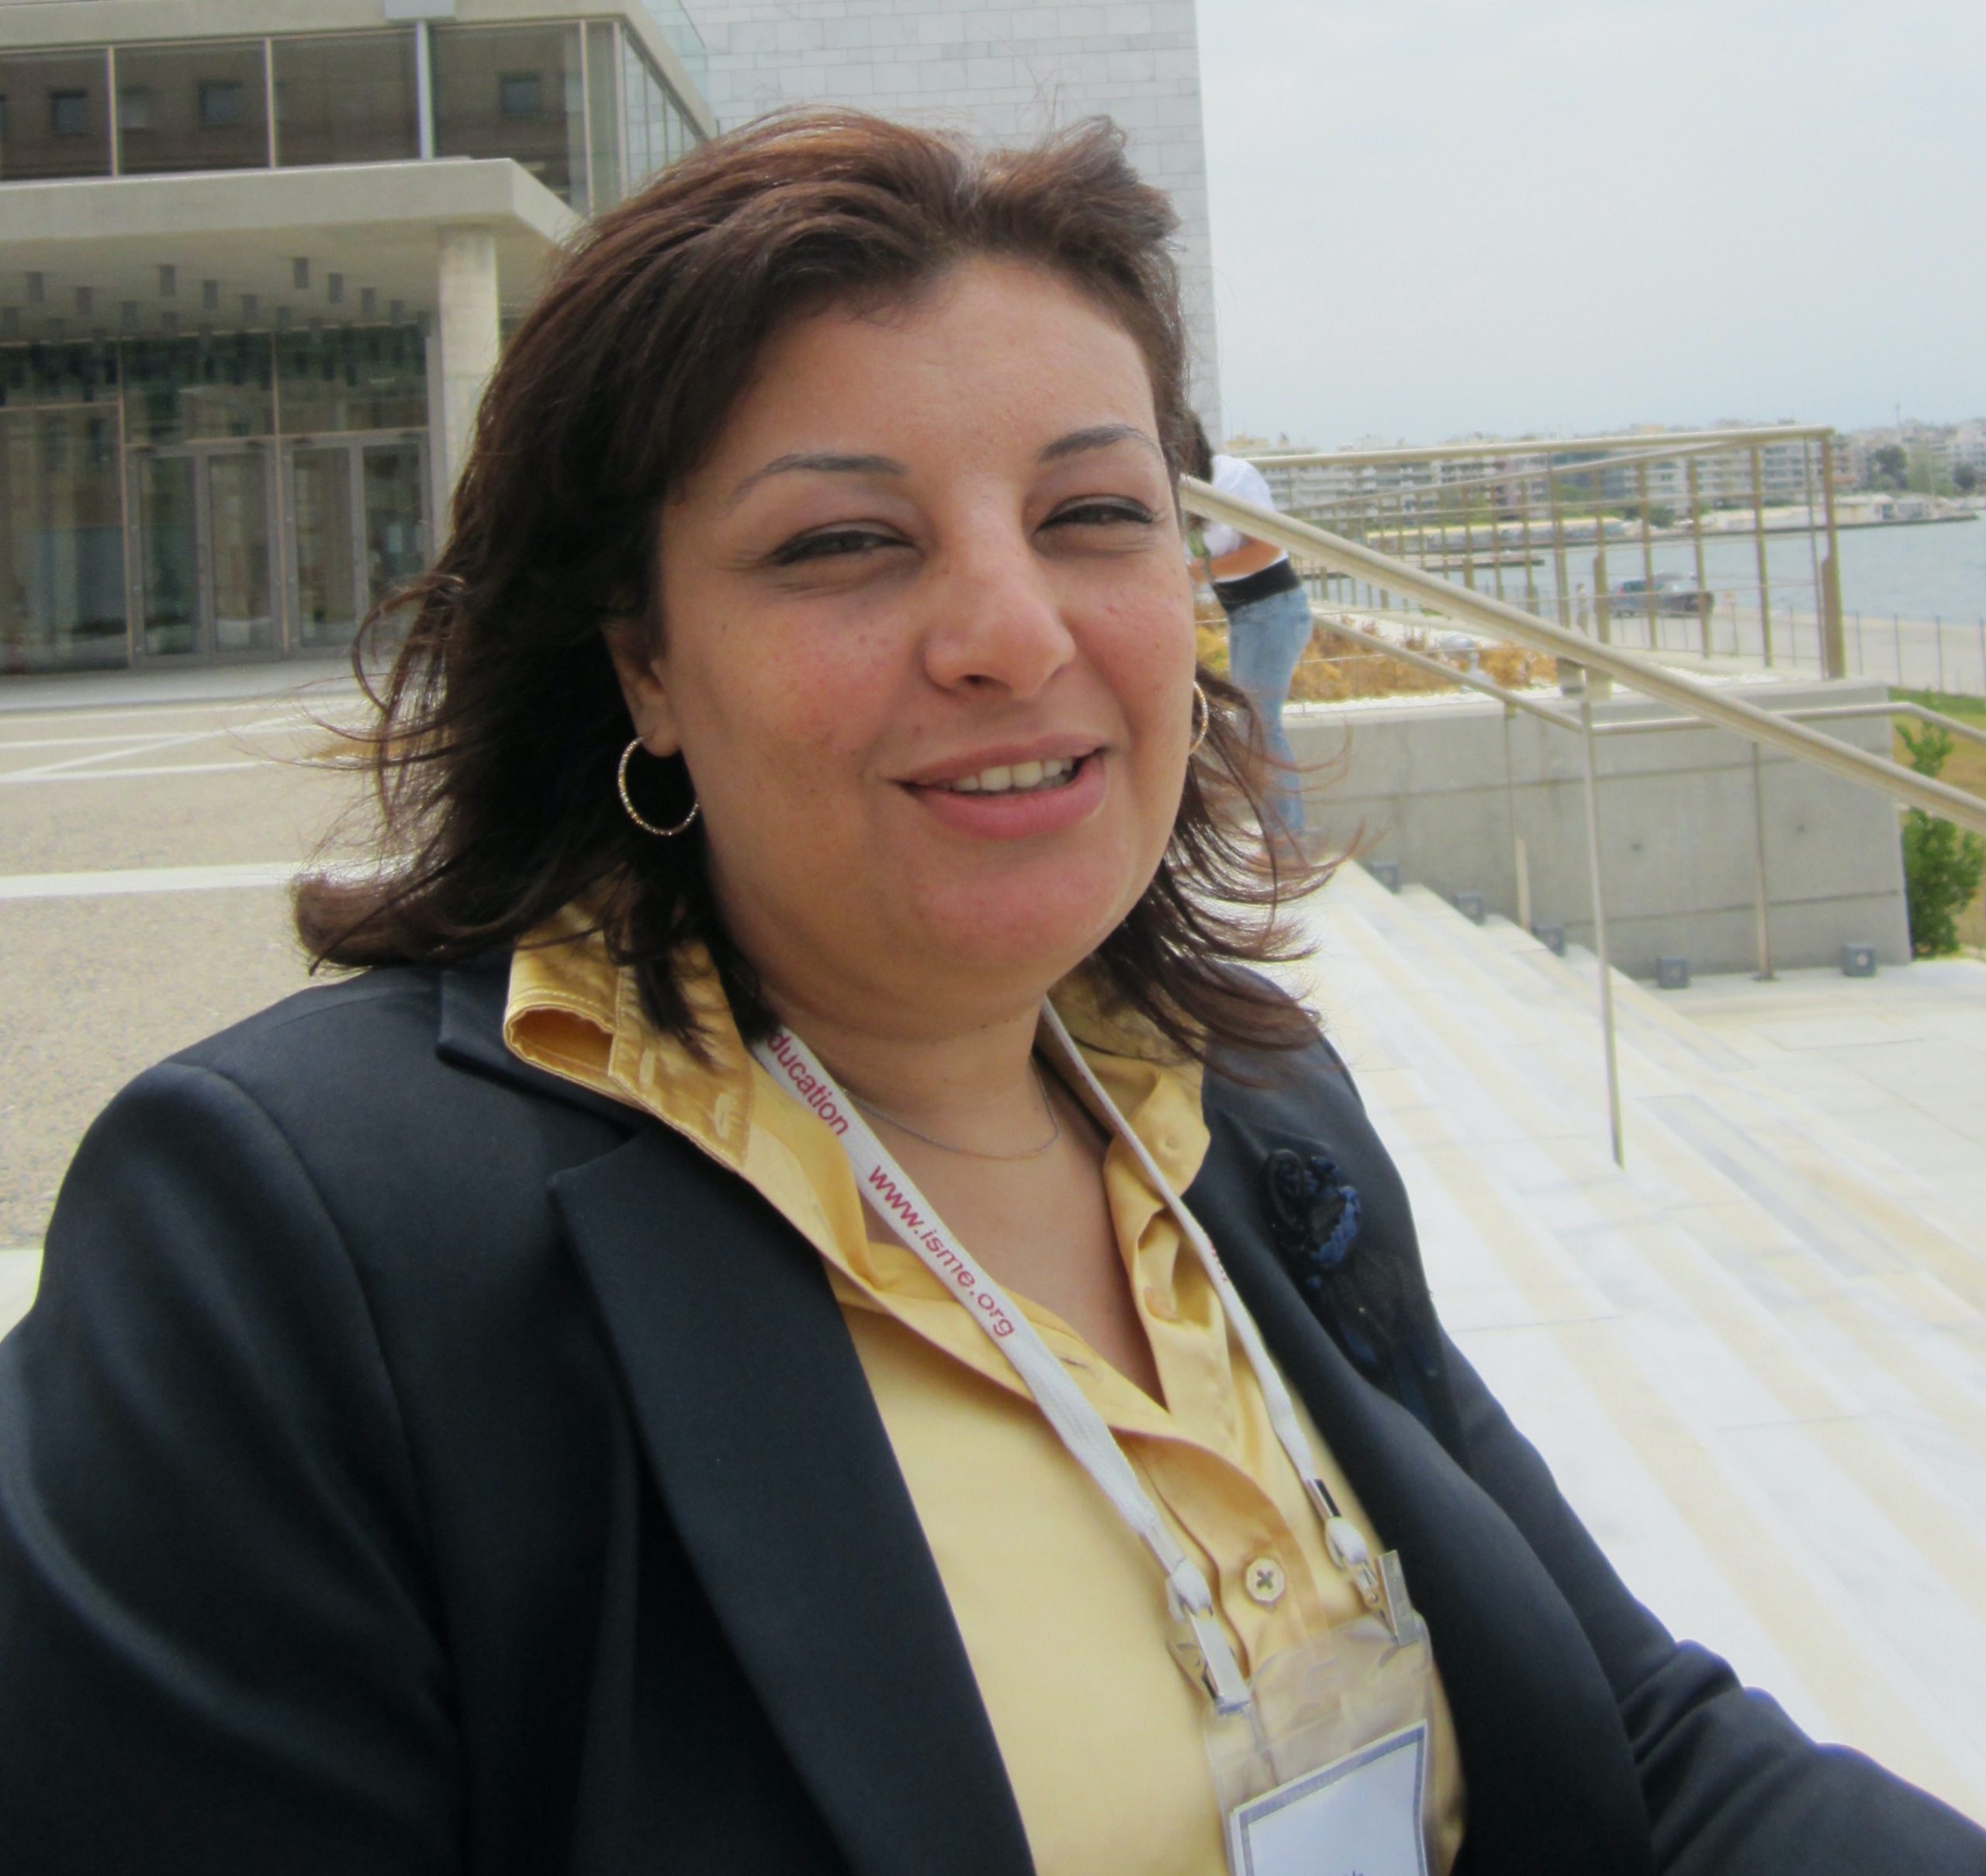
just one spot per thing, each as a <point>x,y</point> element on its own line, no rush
<point>904,1127</point>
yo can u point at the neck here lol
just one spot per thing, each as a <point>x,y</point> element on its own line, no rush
<point>972,1084</point>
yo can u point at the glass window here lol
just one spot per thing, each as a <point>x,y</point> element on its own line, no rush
<point>519,94</point>
<point>202,107</point>
<point>61,523</point>
<point>352,378</point>
<point>221,104</point>
<point>181,390</point>
<point>513,91</point>
<point>54,119</point>
<point>659,129</point>
<point>346,98</point>
<point>603,120</point>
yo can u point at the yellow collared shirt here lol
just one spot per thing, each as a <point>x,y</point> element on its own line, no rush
<point>1062,1615</point>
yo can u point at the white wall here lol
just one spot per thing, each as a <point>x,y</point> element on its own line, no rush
<point>1005,72</point>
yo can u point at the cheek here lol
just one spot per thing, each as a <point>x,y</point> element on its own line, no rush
<point>784,715</point>
<point>1147,640</point>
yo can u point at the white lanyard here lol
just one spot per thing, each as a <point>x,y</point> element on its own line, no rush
<point>893,1196</point>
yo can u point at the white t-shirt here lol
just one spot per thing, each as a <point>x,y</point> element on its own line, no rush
<point>1235,475</point>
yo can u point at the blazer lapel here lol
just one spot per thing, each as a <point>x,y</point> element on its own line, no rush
<point>1551,1785</point>
<point>767,1448</point>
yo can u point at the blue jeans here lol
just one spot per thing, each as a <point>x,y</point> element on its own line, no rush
<point>1264,642</point>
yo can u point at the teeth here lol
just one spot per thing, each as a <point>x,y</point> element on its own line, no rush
<point>1021,778</point>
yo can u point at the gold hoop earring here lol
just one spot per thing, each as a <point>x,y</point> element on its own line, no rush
<point>635,814</point>
<point>1203,720</point>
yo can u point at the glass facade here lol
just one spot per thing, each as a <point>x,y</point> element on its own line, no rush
<point>239,495</point>
<point>165,494</point>
<point>346,98</point>
<point>61,538</point>
<point>352,378</point>
<point>580,104</point>
<point>190,390</point>
<point>193,107</point>
<point>54,115</point>
<point>659,129</point>
<point>515,92</point>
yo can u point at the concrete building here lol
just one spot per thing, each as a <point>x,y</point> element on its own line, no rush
<point>1004,72</point>
<point>254,267</point>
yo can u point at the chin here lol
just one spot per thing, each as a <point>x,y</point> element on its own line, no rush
<point>1037,929</point>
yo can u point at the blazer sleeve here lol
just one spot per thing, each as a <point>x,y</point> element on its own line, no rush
<point>219,1649</point>
<point>1731,1784</point>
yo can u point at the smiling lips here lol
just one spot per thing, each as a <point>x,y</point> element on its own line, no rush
<point>1017,801</point>
<point>1018,778</point>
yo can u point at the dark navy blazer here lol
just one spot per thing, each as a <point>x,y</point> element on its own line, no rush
<point>414,1464</point>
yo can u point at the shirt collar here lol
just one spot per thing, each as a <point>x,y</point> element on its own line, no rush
<point>575,1012</point>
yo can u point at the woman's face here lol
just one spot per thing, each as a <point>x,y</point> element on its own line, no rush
<point>927,648</point>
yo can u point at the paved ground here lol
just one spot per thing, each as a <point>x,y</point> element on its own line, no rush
<point>146,827</point>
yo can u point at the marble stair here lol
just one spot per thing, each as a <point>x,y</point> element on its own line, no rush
<point>1754,1357</point>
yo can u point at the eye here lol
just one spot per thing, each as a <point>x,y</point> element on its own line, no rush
<point>830,544</point>
<point>1103,511</point>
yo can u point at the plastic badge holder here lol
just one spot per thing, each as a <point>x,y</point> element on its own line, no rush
<point>1308,1736</point>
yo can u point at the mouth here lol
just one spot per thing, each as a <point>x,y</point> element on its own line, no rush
<point>1044,793</point>
<point>1015,778</point>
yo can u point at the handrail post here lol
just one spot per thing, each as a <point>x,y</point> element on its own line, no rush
<point>1520,858</point>
<point>1564,591</point>
<point>1648,559</point>
<point>1603,600</point>
<point>1530,565</point>
<point>1759,535</point>
<point>1761,887</point>
<point>1703,600</point>
<point>1600,930</point>
<point>1837,648</point>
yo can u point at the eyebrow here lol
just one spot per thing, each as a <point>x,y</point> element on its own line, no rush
<point>825,462</point>
<point>834,462</point>
<point>1097,436</point>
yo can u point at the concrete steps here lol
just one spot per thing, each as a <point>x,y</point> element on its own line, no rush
<point>1756,1357</point>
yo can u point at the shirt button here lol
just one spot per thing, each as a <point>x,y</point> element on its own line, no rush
<point>1265,1582</point>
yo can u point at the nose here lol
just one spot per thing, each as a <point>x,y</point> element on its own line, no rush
<point>996,622</point>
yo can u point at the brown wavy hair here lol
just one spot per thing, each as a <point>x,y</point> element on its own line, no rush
<point>500,722</point>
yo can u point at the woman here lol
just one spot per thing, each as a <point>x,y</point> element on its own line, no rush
<point>578,1393</point>
<point>1269,616</point>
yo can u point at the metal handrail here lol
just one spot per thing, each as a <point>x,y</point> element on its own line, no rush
<point>1503,620</point>
<point>1820,714</point>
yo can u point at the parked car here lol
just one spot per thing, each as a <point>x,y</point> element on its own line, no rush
<point>1674,593</point>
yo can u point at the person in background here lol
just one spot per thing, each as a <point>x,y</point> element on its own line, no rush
<point>1268,620</point>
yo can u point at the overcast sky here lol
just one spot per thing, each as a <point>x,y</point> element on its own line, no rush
<point>1432,217</point>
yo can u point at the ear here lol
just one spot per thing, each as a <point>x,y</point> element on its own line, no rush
<point>644,686</point>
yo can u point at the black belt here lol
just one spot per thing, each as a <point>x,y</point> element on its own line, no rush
<point>1279,578</point>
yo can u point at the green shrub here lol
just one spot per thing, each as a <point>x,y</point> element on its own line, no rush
<point>1942,867</point>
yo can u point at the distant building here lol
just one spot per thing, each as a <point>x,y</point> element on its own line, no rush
<point>1374,475</point>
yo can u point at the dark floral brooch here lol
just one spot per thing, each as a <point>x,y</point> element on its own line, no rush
<point>1313,1213</point>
